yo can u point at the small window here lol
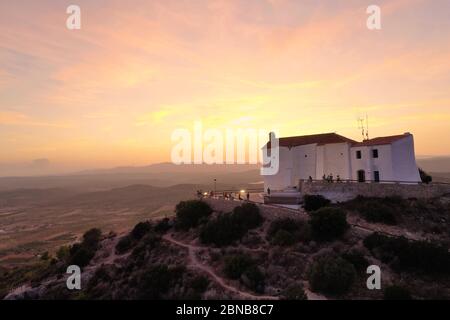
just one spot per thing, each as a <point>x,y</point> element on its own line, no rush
<point>358,154</point>
<point>306,156</point>
<point>376,176</point>
<point>375,153</point>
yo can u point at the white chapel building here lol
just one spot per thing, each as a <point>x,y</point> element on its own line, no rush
<point>382,159</point>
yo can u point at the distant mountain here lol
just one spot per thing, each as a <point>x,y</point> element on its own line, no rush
<point>434,164</point>
<point>173,168</point>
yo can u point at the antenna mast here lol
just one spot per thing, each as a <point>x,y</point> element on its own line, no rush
<point>367,127</point>
<point>363,125</point>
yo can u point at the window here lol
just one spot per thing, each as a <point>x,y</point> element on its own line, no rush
<point>376,176</point>
<point>375,153</point>
<point>358,154</point>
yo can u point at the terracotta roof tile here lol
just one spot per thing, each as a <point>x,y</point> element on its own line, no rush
<point>320,139</point>
<point>381,140</point>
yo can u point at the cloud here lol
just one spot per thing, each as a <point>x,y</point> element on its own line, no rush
<point>11,118</point>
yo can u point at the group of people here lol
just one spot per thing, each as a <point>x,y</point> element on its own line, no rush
<point>225,195</point>
<point>330,178</point>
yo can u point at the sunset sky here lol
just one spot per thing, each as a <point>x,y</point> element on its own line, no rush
<point>112,93</point>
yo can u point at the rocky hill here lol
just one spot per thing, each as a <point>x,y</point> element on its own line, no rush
<point>219,249</point>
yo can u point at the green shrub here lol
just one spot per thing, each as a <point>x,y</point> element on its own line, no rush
<point>287,231</point>
<point>378,212</point>
<point>190,213</point>
<point>253,279</point>
<point>63,253</point>
<point>411,255</point>
<point>328,223</point>
<point>396,293</point>
<point>236,265</point>
<point>92,238</point>
<point>425,177</point>
<point>248,216</point>
<point>124,244</point>
<point>156,281</point>
<point>357,259</point>
<point>331,274</point>
<point>314,202</point>
<point>81,256</point>
<point>294,292</point>
<point>230,227</point>
<point>81,253</point>
<point>283,238</point>
<point>221,231</point>
<point>199,284</point>
<point>162,226</point>
<point>140,230</point>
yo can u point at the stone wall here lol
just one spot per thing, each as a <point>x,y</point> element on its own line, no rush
<point>343,191</point>
<point>269,212</point>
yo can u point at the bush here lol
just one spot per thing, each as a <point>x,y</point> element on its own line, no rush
<point>63,253</point>
<point>328,223</point>
<point>162,226</point>
<point>411,255</point>
<point>140,230</point>
<point>425,177</point>
<point>253,279</point>
<point>81,256</point>
<point>314,202</point>
<point>124,244</point>
<point>92,238</point>
<point>396,293</point>
<point>283,238</point>
<point>81,253</point>
<point>287,231</point>
<point>294,292</point>
<point>248,216</point>
<point>331,274</point>
<point>357,259</point>
<point>190,213</point>
<point>378,212</point>
<point>156,281</point>
<point>236,265</point>
<point>199,284</point>
<point>230,227</point>
<point>221,231</point>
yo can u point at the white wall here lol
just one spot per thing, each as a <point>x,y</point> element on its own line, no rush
<point>284,177</point>
<point>382,164</point>
<point>336,160</point>
<point>404,160</point>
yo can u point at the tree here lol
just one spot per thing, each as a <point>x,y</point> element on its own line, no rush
<point>314,202</point>
<point>425,177</point>
<point>190,213</point>
<point>328,223</point>
<point>331,274</point>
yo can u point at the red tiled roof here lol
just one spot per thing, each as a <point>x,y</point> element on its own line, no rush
<point>380,140</point>
<point>320,139</point>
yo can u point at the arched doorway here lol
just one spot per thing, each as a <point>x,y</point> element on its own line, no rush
<point>361,176</point>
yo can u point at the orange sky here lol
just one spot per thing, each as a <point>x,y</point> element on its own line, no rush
<point>112,93</point>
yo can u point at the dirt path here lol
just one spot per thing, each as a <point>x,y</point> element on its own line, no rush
<point>195,263</point>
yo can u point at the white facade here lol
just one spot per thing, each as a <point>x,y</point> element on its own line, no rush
<point>385,159</point>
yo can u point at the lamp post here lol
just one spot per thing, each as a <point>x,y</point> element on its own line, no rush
<point>215,180</point>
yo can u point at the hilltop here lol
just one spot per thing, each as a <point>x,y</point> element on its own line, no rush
<point>218,249</point>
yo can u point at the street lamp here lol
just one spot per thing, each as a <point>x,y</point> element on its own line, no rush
<point>215,191</point>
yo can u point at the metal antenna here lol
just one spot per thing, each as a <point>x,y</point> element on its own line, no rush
<point>361,127</point>
<point>367,127</point>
